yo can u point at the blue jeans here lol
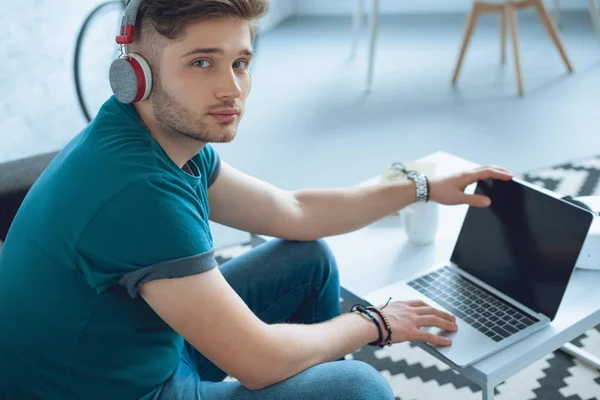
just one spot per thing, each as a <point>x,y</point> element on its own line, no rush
<point>281,281</point>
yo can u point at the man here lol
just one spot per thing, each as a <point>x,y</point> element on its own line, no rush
<point>108,284</point>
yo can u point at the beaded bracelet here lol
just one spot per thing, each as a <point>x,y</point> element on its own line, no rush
<point>361,309</point>
<point>386,322</point>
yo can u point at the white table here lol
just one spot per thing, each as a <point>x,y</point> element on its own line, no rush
<point>372,259</point>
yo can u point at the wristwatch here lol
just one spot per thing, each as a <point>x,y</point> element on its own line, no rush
<point>421,184</point>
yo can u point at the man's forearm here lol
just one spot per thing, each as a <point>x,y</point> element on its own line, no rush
<point>328,212</point>
<point>293,348</point>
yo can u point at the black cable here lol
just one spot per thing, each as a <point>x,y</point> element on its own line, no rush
<point>80,37</point>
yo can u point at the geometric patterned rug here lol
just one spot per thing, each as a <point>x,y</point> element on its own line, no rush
<point>416,375</point>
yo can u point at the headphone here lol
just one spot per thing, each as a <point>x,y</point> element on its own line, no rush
<point>130,75</point>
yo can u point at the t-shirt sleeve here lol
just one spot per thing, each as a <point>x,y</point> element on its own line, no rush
<point>209,163</point>
<point>151,230</point>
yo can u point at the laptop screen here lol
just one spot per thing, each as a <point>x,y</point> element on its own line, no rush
<point>525,244</point>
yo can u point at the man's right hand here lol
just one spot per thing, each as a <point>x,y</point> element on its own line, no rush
<point>211,316</point>
<point>407,318</point>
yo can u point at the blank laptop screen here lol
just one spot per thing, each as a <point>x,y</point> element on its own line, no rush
<point>524,245</point>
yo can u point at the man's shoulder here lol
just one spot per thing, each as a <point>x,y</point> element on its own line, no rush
<point>109,158</point>
<point>113,151</point>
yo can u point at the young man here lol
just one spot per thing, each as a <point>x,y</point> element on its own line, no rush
<point>108,284</point>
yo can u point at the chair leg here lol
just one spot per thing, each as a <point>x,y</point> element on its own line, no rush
<point>356,26</point>
<point>374,29</point>
<point>469,28</point>
<point>595,15</point>
<point>503,37</point>
<point>511,16</point>
<point>545,17</point>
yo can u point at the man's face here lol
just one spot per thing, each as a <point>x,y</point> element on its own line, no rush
<point>203,80</point>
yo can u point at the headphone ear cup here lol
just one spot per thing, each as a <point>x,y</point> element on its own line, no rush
<point>147,75</point>
<point>130,78</point>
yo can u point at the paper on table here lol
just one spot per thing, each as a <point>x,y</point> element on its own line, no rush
<point>427,168</point>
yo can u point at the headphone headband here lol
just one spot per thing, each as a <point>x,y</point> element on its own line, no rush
<point>127,35</point>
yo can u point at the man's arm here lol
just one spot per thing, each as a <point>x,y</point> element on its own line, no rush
<point>249,204</point>
<point>210,315</point>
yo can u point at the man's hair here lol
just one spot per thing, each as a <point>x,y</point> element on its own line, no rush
<point>170,17</point>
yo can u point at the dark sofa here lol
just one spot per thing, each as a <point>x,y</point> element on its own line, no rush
<point>16,178</point>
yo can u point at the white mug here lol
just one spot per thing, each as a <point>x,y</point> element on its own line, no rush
<point>420,221</point>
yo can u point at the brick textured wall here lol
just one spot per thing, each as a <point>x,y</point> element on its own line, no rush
<point>38,108</point>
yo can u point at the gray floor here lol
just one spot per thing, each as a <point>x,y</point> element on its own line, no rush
<point>309,122</point>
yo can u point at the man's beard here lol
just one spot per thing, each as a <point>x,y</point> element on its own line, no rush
<point>178,120</point>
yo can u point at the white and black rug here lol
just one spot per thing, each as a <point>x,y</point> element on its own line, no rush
<point>415,375</point>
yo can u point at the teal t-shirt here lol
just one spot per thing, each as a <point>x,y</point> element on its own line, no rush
<point>111,212</point>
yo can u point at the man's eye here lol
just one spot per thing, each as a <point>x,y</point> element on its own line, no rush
<point>201,63</point>
<point>241,64</point>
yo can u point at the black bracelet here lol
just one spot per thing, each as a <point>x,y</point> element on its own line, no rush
<point>361,309</point>
<point>428,188</point>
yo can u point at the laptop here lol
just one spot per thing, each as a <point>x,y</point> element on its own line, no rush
<point>508,272</point>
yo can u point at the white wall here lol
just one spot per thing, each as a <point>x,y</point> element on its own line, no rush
<point>280,10</point>
<point>346,7</point>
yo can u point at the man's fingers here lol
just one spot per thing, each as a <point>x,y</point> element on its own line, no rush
<point>477,200</point>
<point>432,339</point>
<point>490,173</point>
<point>437,322</point>
<point>415,303</point>
<point>494,167</point>
<point>434,311</point>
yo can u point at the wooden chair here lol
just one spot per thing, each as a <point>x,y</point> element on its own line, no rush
<point>508,19</point>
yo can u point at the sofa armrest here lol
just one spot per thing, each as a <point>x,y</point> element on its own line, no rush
<point>16,178</point>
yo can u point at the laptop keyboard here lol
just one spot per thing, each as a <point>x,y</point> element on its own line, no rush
<point>476,306</point>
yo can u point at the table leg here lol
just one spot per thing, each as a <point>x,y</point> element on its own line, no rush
<point>557,12</point>
<point>356,26</point>
<point>595,15</point>
<point>374,29</point>
<point>503,24</point>
<point>488,392</point>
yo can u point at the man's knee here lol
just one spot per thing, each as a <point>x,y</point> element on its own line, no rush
<point>358,380</point>
<point>315,254</point>
<point>318,251</point>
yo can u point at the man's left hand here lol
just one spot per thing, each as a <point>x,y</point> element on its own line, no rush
<point>450,190</point>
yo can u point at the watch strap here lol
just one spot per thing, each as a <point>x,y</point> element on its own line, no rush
<point>421,186</point>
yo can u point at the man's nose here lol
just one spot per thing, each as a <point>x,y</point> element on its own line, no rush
<point>228,85</point>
